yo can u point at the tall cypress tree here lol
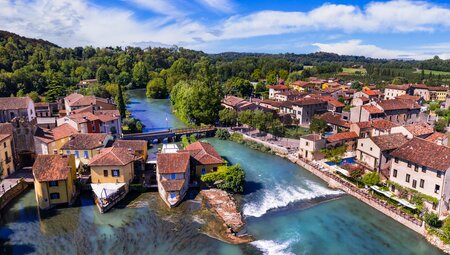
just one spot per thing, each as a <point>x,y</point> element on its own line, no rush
<point>121,102</point>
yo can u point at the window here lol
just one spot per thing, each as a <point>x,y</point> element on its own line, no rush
<point>416,168</point>
<point>173,195</point>
<point>394,173</point>
<point>86,154</point>
<point>215,169</point>
<point>396,160</point>
<point>115,172</point>
<point>407,178</point>
<point>105,173</point>
<point>203,171</point>
<point>438,174</point>
<point>4,145</point>
<point>436,188</point>
<point>68,152</point>
<point>409,164</point>
<point>370,148</point>
<point>53,184</point>
<point>422,183</point>
<point>173,176</point>
<point>54,195</point>
<point>307,143</point>
<point>77,154</point>
<point>414,184</point>
<point>424,169</point>
<point>361,144</point>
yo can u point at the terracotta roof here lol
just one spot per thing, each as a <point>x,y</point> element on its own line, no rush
<point>408,97</point>
<point>112,156</point>
<point>383,124</point>
<point>364,124</point>
<point>437,88</point>
<point>419,129</point>
<point>389,142</point>
<point>134,145</point>
<point>76,99</point>
<point>52,167</point>
<point>398,104</point>
<point>232,100</point>
<point>330,90</point>
<point>399,87</point>
<point>170,163</point>
<point>41,105</point>
<point>271,103</point>
<point>419,86</point>
<point>342,136</point>
<point>172,185</point>
<point>278,87</point>
<point>332,101</point>
<point>301,83</point>
<point>59,132</point>
<point>334,119</point>
<point>372,92</point>
<point>6,128</point>
<point>4,136</point>
<point>85,141</point>
<point>89,108</point>
<point>425,153</point>
<point>204,153</point>
<point>436,136</point>
<point>107,115</point>
<point>14,103</point>
<point>308,101</point>
<point>83,117</point>
<point>372,109</point>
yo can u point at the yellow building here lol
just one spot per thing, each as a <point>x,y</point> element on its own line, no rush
<point>6,158</point>
<point>85,146</point>
<point>205,158</point>
<point>54,180</point>
<point>438,93</point>
<point>112,170</point>
<point>138,147</point>
<point>50,141</point>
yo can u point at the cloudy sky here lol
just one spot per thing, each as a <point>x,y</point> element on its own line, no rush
<point>382,29</point>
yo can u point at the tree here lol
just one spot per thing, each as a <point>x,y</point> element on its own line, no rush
<point>432,219</point>
<point>121,102</point>
<point>441,125</point>
<point>245,117</point>
<point>334,154</point>
<point>271,78</point>
<point>140,75</point>
<point>228,117</point>
<point>238,87</point>
<point>156,88</point>
<point>318,125</point>
<point>102,75</point>
<point>446,229</point>
<point>371,179</point>
<point>222,134</point>
<point>184,141</point>
<point>123,78</point>
<point>34,96</point>
<point>229,178</point>
<point>193,138</point>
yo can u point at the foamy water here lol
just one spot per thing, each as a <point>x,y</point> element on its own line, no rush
<point>282,196</point>
<point>269,247</point>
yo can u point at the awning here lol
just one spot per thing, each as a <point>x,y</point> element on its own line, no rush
<point>104,190</point>
<point>391,196</point>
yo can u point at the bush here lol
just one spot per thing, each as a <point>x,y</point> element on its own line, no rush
<point>356,173</point>
<point>223,134</point>
<point>237,137</point>
<point>229,178</point>
<point>184,141</point>
<point>371,179</point>
<point>432,219</point>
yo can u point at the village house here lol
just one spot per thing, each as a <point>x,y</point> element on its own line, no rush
<point>372,95</point>
<point>85,122</point>
<point>332,92</point>
<point>287,107</point>
<point>310,146</point>
<point>273,90</point>
<point>438,93</point>
<point>366,112</point>
<point>75,101</point>
<point>421,130</point>
<point>347,139</point>
<point>333,104</point>
<point>139,148</point>
<point>12,107</point>
<point>85,146</point>
<point>438,138</point>
<point>400,111</point>
<point>291,95</point>
<point>372,128</point>
<point>6,155</point>
<point>374,152</point>
<point>393,91</point>
<point>22,132</point>
<point>112,171</point>
<point>54,180</point>
<point>423,166</point>
<point>204,158</point>
<point>172,174</point>
<point>50,141</point>
<point>238,104</point>
<point>335,122</point>
<point>306,108</point>
<point>301,86</point>
<point>110,120</point>
<point>359,101</point>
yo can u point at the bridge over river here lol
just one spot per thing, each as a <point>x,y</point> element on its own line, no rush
<point>171,134</point>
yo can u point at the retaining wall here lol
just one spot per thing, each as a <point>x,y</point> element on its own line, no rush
<point>11,193</point>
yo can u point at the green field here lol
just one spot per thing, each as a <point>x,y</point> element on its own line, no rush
<point>433,72</point>
<point>354,70</point>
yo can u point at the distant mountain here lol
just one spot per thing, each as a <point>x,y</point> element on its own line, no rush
<point>4,35</point>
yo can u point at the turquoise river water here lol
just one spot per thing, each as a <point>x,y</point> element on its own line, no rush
<point>287,209</point>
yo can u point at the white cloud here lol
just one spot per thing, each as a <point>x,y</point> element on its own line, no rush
<point>357,48</point>
<point>165,7</point>
<point>219,5</point>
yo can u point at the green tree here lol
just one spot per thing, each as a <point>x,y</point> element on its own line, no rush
<point>371,179</point>
<point>222,134</point>
<point>34,96</point>
<point>123,78</point>
<point>441,125</point>
<point>230,178</point>
<point>184,141</point>
<point>156,88</point>
<point>432,219</point>
<point>102,75</point>
<point>228,117</point>
<point>238,87</point>
<point>140,75</point>
<point>245,117</point>
<point>193,138</point>
<point>121,102</point>
<point>318,125</point>
<point>334,154</point>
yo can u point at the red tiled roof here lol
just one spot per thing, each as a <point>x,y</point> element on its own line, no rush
<point>232,100</point>
<point>437,88</point>
<point>204,153</point>
<point>372,92</point>
<point>301,83</point>
<point>85,141</point>
<point>342,136</point>
<point>389,142</point>
<point>408,97</point>
<point>332,101</point>
<point>278,87</point>
<point>425,153</point>
<point>170,163</point>
<point>383,124</point>
<point>334,119</point>
<point>372,109</point>
<point>14,103</point>
<point>112,156</point>
<point>83,117</point>
<point>398,104</point>
<point>52,167</point>
<point>308,101</point>
<point>419,129</point>
<point>135,145</point>
<point>6,128</point>
<point>59,132</point>
<point>399,87</point>
<point>436,136</point>
<point>312,137</point>
<point>172,185</point>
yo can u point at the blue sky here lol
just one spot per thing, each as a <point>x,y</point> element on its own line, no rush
<point>382,29</point>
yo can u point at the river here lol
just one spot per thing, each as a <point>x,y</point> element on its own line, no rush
<point>288,211</point>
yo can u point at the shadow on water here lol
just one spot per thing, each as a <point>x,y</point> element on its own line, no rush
<point>139,111</point>
<point>6,248</point>
<point>251,187</point>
